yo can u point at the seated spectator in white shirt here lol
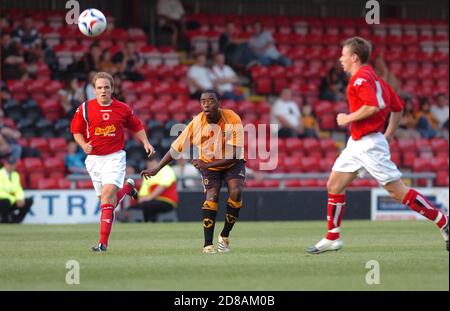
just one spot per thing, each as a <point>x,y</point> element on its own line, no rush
<point>263,46</point>
<point>187,174</point>
<point>224,78</point>
<point>199,77</point>
<point>440,109</point>
<point>286,113</point>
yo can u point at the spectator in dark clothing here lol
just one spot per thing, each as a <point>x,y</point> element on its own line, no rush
<point>333,85</point>
<point>130,62</point>
<point>235,48</point>
<point>12,57</point>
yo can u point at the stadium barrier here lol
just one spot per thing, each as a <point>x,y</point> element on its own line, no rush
<point>82,206</point>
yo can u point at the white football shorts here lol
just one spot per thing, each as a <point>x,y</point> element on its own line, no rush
<point>371,155</point>
<point>106,169</point>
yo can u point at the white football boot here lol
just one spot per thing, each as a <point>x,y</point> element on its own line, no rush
<point>325,245</point>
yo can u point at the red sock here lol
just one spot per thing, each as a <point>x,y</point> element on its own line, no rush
<point>418,203</point>
<point>336,206</point>
<point>122,193</point>
<point>106,221</point>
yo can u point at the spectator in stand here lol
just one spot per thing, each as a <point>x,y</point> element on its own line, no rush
<point>408,122</point>
<point>427,124</point>
<point>236,49</point>
<point>286,113</point>
<point>89,89</point>
<point>130,62</point>
<point>384,73</point>
<point>89,62</point>
<point>13,61</point>
<point>333,85</point>
<point>158,194</point>
<point>70,96</point>
<point>170,22</point>
<point>13,204</point>
<point>106,63</point>
<point>263,46</point>
<point>27,36</point>
<point>8,140</point>
<point>309,121</point>
<point>74,159</point>
<point>185,169</point>
<point>118,92</point>
<point>440,110</point>
<point>199,77</point>
<point>225,79</point>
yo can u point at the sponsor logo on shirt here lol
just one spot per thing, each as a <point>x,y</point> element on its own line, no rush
<point>359,81</point>
<point>109,130</point>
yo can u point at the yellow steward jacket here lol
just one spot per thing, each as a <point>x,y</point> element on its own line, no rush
<point>10,186</point>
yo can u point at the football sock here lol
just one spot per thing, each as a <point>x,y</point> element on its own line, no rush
<point>106,221</point>
<point>335,211</point>
<point>417,202</point>
<point>232,215</point>
<point>209,213</point>
<point>122,193</point>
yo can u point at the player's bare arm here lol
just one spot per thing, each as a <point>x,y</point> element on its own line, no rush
<point>147,173</point>
<point>86,146</point>
<point>361,114</point>
<point>142,136</point>
<point>394,122</point>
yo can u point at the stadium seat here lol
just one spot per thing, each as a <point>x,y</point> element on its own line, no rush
<point>84,184</point>
<point>54,165</point>
<point>39,143</point>
<point>46,183</point>
<point>63,183</point>
<point>33,179</point>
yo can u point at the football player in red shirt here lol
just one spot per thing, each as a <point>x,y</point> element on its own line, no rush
<point>371,100</point>
<point>98,127</point>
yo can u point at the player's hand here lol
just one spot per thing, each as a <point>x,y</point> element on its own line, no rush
<point>149,150</point>
<point>87,148</point>
<point>150,172</point>
<point>20,203</point>
<point>342,119</point>
<point>199,164</point>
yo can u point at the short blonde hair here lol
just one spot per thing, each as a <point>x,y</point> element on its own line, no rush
<point>103,75</point>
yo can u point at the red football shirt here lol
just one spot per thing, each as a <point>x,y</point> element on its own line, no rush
<point>366,88</point>
<point>104,126</point>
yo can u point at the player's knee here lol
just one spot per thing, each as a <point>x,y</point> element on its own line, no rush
<point>332,187</point>
<point>235,194</point>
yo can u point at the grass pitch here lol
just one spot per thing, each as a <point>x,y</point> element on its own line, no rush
<point>264,256</point>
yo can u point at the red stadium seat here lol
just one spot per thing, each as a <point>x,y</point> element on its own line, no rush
<point>33,179</point>
<point>439,145</point>
<point>54,165</point>
<point>408,158</point>
<point>57,144</point>
<point>310,145</point>
<point>422,165</point>
<point>442,179</point>
<point>33,165</point>
<point>63,183</point>
<point>293,164</point>
<point>293,144</point>
<point>84,184</point>
<point>293,183</point>
<point>263,86</point>
<point>311,164</point>
<point>407,145</point>
<point>47,183</point>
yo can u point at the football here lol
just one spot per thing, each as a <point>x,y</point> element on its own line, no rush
<point>91,22</point>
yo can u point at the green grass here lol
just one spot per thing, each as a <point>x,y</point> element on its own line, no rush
<point>265,256</point>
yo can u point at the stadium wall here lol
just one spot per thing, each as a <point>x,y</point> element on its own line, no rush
<point>81,206</point>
